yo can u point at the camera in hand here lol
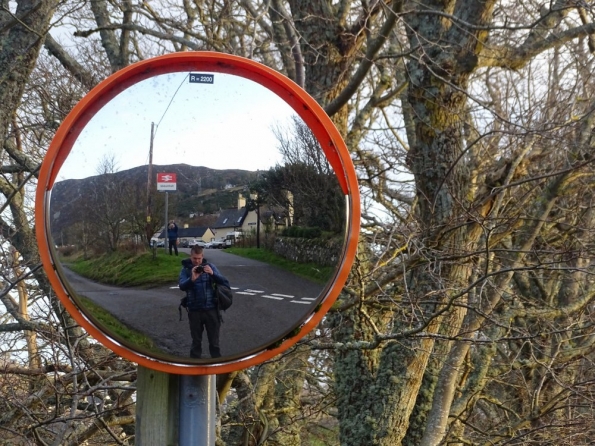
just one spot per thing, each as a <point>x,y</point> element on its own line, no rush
<point>199,269</point>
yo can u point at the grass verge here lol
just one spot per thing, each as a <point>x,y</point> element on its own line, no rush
<point>112,325</point>
<point>130,269</point>
<point>312,271</point>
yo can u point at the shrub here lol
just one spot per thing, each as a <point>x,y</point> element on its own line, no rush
<point>302,232</point>
<point>67,251</point>
<point>132,247</point>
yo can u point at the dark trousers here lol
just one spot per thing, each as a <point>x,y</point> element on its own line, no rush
<point>173,244</point>
<point>199,320</point>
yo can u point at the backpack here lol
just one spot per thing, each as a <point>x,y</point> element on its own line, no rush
<point>184,300</point>
<point>183,303</point>
<point>224,296</point>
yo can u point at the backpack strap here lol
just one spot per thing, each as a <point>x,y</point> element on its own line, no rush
<point>189,272</point>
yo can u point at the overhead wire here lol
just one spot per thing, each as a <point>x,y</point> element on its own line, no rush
<point>170,102</point>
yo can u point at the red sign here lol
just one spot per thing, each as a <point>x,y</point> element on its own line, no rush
<point>166,181</point>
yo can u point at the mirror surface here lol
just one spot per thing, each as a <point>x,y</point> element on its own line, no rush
<point>249,176</point>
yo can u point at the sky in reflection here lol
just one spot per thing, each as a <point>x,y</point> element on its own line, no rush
<point>224,125</point>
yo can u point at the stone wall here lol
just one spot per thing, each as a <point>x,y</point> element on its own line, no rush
<point>301,250</point>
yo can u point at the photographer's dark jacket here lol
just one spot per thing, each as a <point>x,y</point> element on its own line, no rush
<point>201,295</point>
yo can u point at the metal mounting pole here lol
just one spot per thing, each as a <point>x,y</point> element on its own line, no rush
<point>198,397</point>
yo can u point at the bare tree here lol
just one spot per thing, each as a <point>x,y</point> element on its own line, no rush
<point>468,316</point>
<point>459,277</point>
<point>58,386</point>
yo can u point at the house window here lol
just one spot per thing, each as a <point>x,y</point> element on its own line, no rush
<point>225,221</point>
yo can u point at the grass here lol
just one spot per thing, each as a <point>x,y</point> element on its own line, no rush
<point>312,271</point>
<point>142,270</point>
<point>130,269</point>
<point>116,328</point>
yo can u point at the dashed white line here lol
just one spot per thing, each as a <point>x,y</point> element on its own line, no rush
<point>275,296</point>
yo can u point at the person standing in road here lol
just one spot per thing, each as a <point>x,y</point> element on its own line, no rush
<point>172,236</point>
<point>197,278</point>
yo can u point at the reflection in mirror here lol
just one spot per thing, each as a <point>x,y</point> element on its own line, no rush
<point>253,188</point>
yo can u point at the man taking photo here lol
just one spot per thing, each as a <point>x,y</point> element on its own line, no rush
<point>198,278</point>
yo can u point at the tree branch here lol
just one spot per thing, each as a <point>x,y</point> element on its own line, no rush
<point>71,65</point>
<point>108,38</point>
<point>21,158</point>
<point>374,47</point>
<point>161,35</point>
<point>517,58</point>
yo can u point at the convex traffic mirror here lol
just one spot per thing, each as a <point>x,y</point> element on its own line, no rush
<point>244,162</point>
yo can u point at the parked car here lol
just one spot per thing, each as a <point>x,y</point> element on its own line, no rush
<point>215,244</point>
<point>160,244</point>
<point>196,242</point>
<point>183,243</point>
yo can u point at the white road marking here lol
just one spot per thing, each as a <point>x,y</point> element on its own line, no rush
<point>275,296</point>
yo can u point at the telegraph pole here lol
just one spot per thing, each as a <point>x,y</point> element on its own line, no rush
<point>149,226</point>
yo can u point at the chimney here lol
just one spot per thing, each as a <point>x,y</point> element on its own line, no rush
<point>241,201</point>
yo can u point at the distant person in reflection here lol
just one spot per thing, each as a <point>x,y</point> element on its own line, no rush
<point>197,278</point>
<point>172,236</point>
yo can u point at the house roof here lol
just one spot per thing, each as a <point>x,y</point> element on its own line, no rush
<point>278,214</point>
<point>231,218</point>
<point>196,232</point>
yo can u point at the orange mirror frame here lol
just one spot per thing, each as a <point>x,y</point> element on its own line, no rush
<point>302,103</point>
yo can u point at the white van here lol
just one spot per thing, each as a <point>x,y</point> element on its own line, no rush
<point>231,238</point>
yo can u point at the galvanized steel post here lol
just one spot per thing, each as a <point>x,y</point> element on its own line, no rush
<point>198,397</point>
